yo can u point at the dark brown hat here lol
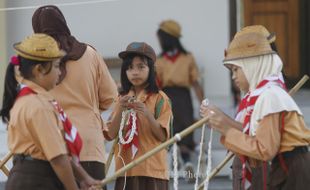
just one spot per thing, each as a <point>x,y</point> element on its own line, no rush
<point>140,48</point>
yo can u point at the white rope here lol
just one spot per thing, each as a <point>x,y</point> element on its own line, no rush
<point>205,102</point>
<point>132,114</point>
<point>175,166</point>
<point>58,5</point>
<point>206,185</point>
<point>200,155</point>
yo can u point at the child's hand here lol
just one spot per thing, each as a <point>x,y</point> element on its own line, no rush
<point>90,184</point>
<point>139,107</point>
<point>125,101</point>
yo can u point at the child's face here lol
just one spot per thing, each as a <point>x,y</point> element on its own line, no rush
<point>239,78</point>
<point>138,72</point>
<point>50,79</point>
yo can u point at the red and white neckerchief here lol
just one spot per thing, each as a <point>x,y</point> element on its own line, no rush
<point>72,137</point>
<point>131,139</point>
<point>247,104</point>
<point>172,55</point>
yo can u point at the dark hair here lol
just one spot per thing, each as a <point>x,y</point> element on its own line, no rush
<point>169,42</point>
<point>11,86</point>
<point>151,80</point>
<point>274,47</point>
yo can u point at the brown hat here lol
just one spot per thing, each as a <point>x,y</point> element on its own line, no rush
<point>140,48</point>
<point>247,45</point>
<point>40,47</point>
<point>271,37</point>
<point>171,27</point>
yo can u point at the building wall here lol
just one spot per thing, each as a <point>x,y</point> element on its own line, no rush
<point>3,59</point>
<point>110,26</point>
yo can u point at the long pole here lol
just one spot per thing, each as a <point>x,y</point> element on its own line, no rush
<point>3,161</point>
<point>111,155</point>
<point>230,155</point>
<point>132,164</point>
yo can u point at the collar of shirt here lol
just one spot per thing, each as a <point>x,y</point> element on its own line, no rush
<point>38,89</point>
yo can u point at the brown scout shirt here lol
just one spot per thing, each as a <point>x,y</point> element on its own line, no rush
<point>182,73</point>
<point>34,128</point>
<point>87,89</point>
<point>268,141</point>
<point>155,166</point>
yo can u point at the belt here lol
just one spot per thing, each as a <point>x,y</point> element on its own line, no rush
<point>22,158</point>
<point>289,154</point>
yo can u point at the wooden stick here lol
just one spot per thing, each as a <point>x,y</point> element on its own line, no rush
<point>111,155</point>
<point>4,161</point>
<point>132,164</point>
<point>300,83</point>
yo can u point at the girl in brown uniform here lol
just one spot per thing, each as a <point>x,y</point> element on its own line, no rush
<point>153,119</point>
<point>273,125</point>
<point>177,72</point>
<point>39,133</point>
<point>85,90</point>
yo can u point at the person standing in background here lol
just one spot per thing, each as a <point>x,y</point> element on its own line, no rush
<point>177,72</point>
<point>86,87</point>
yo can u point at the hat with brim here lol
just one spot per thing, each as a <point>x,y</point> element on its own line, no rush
<point>260,29</point>
<point>39,47</point>
<point>140,48</point>
<point>247,45</point>
<point>171,27</point>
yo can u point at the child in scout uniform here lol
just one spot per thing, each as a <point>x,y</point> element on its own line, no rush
<point>85,90</point>
<point>177,72</point>
<point>146,124</point>
<point>259,177</point>
<point>273,126</point>
<point>44,143</point>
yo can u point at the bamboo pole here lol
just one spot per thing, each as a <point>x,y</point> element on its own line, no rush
<point>132,164</point>
<point>4,161</point>
<point>111,155</point>
<point>300,83</point>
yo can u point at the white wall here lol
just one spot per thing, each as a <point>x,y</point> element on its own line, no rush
<point>110,26</point>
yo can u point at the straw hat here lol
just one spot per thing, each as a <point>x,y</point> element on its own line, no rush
<point>39,47</point>
<point>271,37</point>
<point>245,45</point>
<point>140,48</point>
<point>171,27</point>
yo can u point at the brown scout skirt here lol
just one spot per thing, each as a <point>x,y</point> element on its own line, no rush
<point>183,113</point>
<point>141,183</point>
<point>32,174</point>
<point>297,176</point>
<point>259,177</point>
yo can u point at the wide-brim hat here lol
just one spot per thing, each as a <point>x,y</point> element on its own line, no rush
<point>247,45</point>
<point>271,37</point>
<point>39,47</point>
<point>140,48</point>
<point>171,27</point>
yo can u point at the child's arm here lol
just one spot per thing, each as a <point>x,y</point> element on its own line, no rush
<point>62,167</point>
<point>114,124</point>
<point>86,181</point>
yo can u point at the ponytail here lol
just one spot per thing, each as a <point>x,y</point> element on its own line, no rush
<point>9,94</point>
